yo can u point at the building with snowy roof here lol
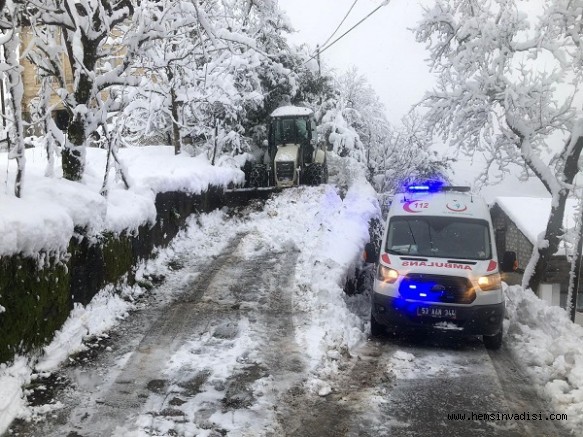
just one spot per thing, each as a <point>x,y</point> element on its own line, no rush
<point>518,221</point>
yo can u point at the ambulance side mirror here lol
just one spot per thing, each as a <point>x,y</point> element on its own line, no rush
<point>370,253</point>
<point>509,262</point>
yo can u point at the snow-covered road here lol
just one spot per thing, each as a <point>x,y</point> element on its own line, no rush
<point>247,332</point>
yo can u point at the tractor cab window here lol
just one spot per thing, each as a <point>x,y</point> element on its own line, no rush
<point>302,130</point>
<point>290,130</point>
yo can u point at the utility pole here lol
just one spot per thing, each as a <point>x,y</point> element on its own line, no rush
<point>577,267</point>
<point>318,60</point>
<point>3,102</point>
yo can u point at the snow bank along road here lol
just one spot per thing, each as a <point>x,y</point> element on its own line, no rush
<point>248,333</point>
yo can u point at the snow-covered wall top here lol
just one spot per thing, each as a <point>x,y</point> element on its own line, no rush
<point>291,111</point>
<point>531,214</point>
<point>50,207</point>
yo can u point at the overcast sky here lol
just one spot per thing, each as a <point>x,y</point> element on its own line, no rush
<point>382,47</point>
<point>384,50</point>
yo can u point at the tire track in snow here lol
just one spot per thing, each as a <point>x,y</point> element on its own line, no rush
<point>281,351</point>
<point>522,395</point>
<point>405,387</point>
<point>431,376</point>
<point>258,289</point>
<point>346,411</point>
<point>120,401</point>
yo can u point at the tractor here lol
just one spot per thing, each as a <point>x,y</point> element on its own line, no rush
<point>293,155</point>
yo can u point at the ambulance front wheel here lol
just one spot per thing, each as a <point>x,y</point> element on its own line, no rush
<point>493,342</point>
<point>376,329</point>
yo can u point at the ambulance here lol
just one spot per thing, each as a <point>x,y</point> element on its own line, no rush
<point>437,268</point>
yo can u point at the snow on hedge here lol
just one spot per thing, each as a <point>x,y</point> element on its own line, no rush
<point>43,219</point>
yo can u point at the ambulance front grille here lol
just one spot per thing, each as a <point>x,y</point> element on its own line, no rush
<point>437,288</point>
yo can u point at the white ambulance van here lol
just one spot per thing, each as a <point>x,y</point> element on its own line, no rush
<point>437,268</point>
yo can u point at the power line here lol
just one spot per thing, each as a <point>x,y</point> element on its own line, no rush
<point>384,3</point>
<point>341,23</point>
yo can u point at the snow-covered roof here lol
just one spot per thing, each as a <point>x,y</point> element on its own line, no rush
<point>531,214</point>
<point>291,111</point>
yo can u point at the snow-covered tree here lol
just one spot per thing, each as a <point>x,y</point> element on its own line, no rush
<point>347,115</point>
<point>12,72</point>
<point>212,74</point>
<point>358,127</point>
<point>405,155</point>
<point>509,81</point>
<point>82,29</point>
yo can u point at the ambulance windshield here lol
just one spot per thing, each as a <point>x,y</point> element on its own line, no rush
<point>439,237</point>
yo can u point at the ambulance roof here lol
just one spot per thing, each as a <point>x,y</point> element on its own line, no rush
<point>444,202</point>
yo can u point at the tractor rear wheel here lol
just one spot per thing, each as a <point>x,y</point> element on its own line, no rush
<point>258,177</point>
<point>316,174</point>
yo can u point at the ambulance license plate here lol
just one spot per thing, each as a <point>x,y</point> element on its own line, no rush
<point>442,313</point>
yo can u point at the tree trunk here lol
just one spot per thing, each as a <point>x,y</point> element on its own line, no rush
<point>72,156</point>
<point>554,228</point>
<point>576,271</point>
<point>175,126</point>
<point>16,93</point>
<point>553,233</point>
<point>216,141</point>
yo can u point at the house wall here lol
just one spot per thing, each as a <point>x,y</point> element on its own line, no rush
<point>113,56</point>
<point>513,238</point>
<point>558,271</point>
<point>31,79</point>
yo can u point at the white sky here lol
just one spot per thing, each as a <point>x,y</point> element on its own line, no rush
<point>384,50</point>
<point>382,47</point>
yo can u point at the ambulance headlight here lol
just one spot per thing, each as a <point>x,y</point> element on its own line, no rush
<point>387,275</point>
<point>490,282</point>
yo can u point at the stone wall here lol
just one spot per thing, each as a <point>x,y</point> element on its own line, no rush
<point>36,296</point>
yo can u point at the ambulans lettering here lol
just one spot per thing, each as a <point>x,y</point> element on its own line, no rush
<point>436,264</point>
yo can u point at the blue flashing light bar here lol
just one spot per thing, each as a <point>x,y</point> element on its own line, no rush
<point>425,187</point>
<point>418,187</point>
<point>434,187</point>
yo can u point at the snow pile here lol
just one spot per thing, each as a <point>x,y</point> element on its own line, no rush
<point>335,235</point>
<point>12,401</point>
<point>328,234</point>
<point>405,365</point>
<point>550,347</point>
<point>43,219</point>
<point>402,365</point>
